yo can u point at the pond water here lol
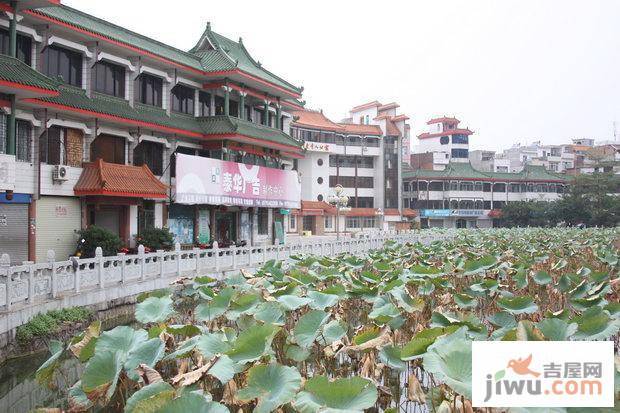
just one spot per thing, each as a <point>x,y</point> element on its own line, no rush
<point>19,390</point>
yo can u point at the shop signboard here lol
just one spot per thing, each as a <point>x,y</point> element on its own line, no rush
<point>435,213</point>
<point>212,181</point>
<point>444,213</point>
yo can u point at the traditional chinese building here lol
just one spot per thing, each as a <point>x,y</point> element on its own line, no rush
<point>93,116</point>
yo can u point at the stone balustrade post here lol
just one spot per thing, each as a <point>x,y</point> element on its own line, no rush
<point>77,274</point>
<point>5,266</point>
<point>121,256</point>
<point>196,252</point>
<point>51,259</point>
<point>177,255</point>
<point>30,280</point>
<point>233,258</point>
<point>250,255</point>
<point>264,247</point>
<point>276,245</point>
<point>162,263</point>
<point>99,258</point>
<point>142,261</point>
<point>216,255</point>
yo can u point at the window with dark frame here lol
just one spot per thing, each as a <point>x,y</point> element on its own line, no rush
<point>24,46</point>
<point>182,99</point>
<point>109,78</point>
<point>263,221</point>
<point>52,146</point>
<point>150,154</point>
<point>150,89</point>
<point>204,106</point>
<point>109,149</point>
<point>24,141</point>
<point>63,63</point>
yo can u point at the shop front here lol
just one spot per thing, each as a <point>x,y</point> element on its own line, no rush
<point>118,197</point>
<point>238,203</point>
<point>14,226</point>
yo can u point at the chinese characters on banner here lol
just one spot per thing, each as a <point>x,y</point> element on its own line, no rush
<point>215,182</point>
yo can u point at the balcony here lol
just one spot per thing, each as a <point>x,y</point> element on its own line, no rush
<point>7,172</point>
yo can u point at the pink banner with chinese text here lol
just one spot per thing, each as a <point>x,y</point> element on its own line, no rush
<point>202,180</point>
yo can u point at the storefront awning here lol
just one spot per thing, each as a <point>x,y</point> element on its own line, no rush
<point>315,208</point>
<point>109,179</point>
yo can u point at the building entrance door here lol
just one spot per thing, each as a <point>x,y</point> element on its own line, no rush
<point>461,223</point>
<point>225,228</point>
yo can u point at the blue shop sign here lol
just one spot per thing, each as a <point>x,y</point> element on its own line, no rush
<point>17,198</point>
<point>431,213</point>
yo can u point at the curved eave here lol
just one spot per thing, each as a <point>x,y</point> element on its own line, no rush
<point>103,192</point>
<point>255,81</point>
<point>457,178</point>
<point>116,119</point>
<point>237,137</point>
<point>22,91</point>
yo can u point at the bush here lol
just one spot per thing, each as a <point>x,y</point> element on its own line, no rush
<point>46,325</point>
<point>94,237</point>
<point>156,239</point>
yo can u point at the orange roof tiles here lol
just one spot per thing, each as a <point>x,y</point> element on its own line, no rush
<point>392,129</point>
<point>315,119</point>
<point>361,212</point>
<point>391,212</point>
<point>109,179</point>
<point>398,118</point>
<point>408,212</point>
<point>443,119</point>
<point>388,106</point>
<point>368,105</point>
<point>315,208</point>
<point>427,135</point>
<point>359,129</point>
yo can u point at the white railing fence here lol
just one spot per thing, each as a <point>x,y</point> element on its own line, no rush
<point>29,283</point>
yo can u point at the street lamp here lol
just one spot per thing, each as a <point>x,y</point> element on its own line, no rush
<point>341,201</point>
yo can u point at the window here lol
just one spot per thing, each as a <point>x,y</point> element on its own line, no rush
<point>52,146</point>
<point>146,216</point>
<point>64,63</point>
<point>454,186</point>
<point>150,154</point>
<point>352,181</point>
<point>109,79</point>
<point>292,222</point>
<point>182,99</point>
<point>460,139</point>
<point>319,198</point>
<point>319,180</point>
<point>109,149</point>
<point>204,107</point>
<point>353,222</point>
<point>2,132</point>
<point>150,90</point>
<point>24,46</point>
<point>460,153</point>
<point>329,222</point>
<point>319,162</point>
<point>444,140</point>
<point>263,221</point>
<point>219,105</point>
<point>514,187</point>
<point>466,186</point>
<point>24,141</point>
<point>368,222</point>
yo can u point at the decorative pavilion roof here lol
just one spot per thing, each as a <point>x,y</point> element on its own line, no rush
<point>464,171</point>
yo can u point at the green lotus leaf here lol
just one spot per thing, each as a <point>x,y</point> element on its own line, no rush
<point>320,300</point>
<point>45,373</point>
<point>252,344</point>
<point>405,301</point>
<point>426,288</point>
<point>595,324</point>
<point>224,369</point>
<point>154,310</point>
<point>332,331</point>
<point>308,327</point>
<point>297,353</point>
<point>502,319</point>
<point>149,353</point>
<point>418,345</point>
<point>542,278</point>
<point>150,399</point>
<point>183,349</point>
<point>193,402</point>
<point>338,396</point>
<point>78,401</point>
<point>188,330</point>
<point>242,304</point>
<point>479,265</point>
<point>449,359</point>
<point>293,302</point>
<point>101,375</point>
<point>121,339</point>
<point>273,385</point>
<point>216,307</point>
<point>465,301</point>
<point>270,313</point>
<point>383,310</point>
<point>613,309</point>
<point>518,305</point>
<point>392,357</point>
<point>520,278</point>
<point>556,329</point>
<point>365,335</point>
<point>425,271</point>
<point>210,344</point>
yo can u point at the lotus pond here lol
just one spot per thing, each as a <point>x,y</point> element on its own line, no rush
<point>390,331</point>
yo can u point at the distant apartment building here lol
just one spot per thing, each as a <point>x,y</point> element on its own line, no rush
<point>446,190</point>
<point>363,154</point>
<point>103,126</point>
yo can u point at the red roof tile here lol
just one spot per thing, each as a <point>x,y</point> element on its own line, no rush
<point>408,212</point>
<point>391,212</point>
<point>315,208</point>
<point>315,119</point>
<point>392,129</point>
<point>443,119</point>
<point>368,105</point>
<point>427,135</point>
<point>400,117</point>
<point>359,129</point>
<point>388,106</point>
<point>361,212</point>
<point>109,179</point>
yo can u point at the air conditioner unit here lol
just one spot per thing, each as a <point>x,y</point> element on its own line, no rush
<point>59,173</point>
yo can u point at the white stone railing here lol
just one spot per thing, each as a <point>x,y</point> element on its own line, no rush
<point>31,288</point>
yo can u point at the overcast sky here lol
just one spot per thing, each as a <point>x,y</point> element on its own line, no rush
<point>512,71</point>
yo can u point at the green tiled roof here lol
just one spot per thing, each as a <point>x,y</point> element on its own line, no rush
<point>456,170</point>
<point>237,56</point>
<point>213,52</point>
<point>95,25</point>
<point>226,124</point>
<point>14,70</point>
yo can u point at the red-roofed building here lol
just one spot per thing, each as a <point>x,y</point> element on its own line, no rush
<point>363,154</point>
<point>444,141</point>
